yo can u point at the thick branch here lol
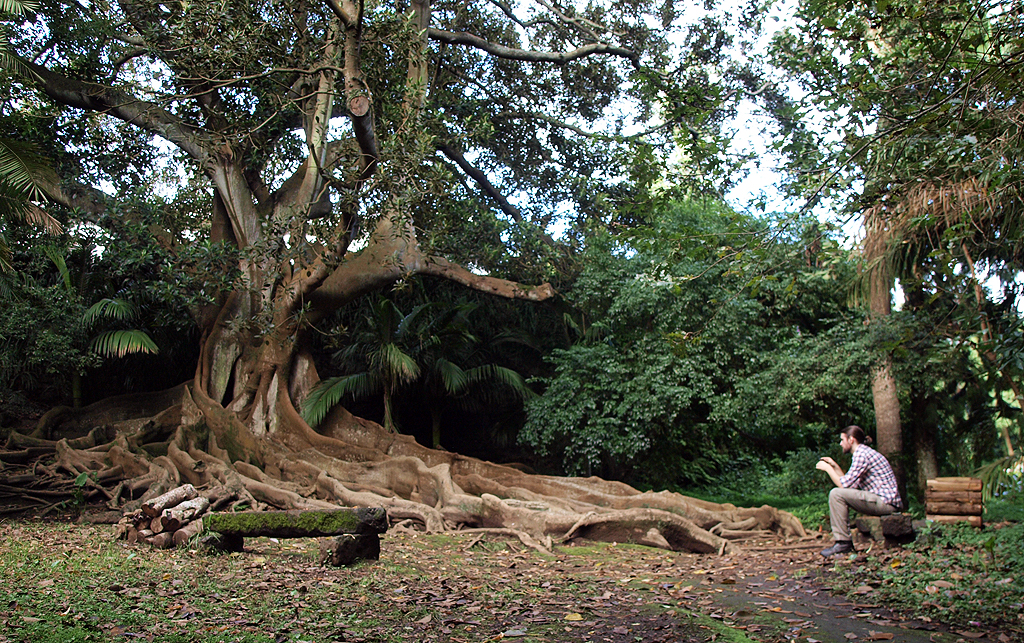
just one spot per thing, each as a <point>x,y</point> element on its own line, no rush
<point>345,10</point>
<point>119,104</point>
<point>501,51</point>
<point>441,267</point>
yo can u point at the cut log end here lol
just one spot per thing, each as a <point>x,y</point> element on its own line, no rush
<point>349,548</point>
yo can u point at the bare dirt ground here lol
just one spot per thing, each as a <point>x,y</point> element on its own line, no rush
<point>59,577</point>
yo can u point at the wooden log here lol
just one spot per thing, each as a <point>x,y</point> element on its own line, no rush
<point>186,533</point>
<point>954,484</point>
<point>955,508</point>
<point>157,525</point>
<point>974,520</point>
<point>299,524</point>
<point>162,541</point>
<point>349,548</point>
<point>952,496</point>
<point>155,506</point>
<point>179,515</point>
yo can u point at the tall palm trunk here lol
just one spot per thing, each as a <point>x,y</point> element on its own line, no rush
<point>884,391</point>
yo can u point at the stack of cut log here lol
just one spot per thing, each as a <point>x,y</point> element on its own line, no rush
<point>172,518</point>
<point>954,500</point>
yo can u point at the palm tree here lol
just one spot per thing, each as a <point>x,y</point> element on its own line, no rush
<point>107,343</point>
<point>26,177</point>
<point>400,350</point>
<point>388,367</point>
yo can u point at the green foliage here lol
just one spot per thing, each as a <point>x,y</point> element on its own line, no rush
<point>685,359</point>
<point>914,108</point>
<point>1003,476</point>
<point>796,476</point>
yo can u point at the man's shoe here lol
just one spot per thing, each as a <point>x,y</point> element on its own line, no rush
<point>839,547</point>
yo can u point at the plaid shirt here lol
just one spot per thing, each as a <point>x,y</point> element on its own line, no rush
<point>871,472</point>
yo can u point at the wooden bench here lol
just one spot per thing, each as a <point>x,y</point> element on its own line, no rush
<point>954,500</point>
<point>356,531</point>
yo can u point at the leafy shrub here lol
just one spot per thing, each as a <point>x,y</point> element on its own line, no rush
<point>797,476</point>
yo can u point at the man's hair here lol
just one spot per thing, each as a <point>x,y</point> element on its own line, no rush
<point>857,433</point>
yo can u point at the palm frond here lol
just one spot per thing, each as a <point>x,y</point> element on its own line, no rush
<point>118,343</point>
<point>110,308</point>
<point>18,7</point>
<point>57,258</point>
<point>1006,472</point>
<point>398,364</point>
<point>326,395</point>
<point>502,376</point>
<point>386,317</point>
<point>27,170</point>
<point>454,378</point>
<point>408,322</point>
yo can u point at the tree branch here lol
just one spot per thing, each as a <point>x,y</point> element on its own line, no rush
<point>119,104</point>
<point>501,51</point>
<point>481,180</point>
<point>441,267</point>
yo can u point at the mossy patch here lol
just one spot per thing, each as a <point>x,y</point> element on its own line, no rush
<point>297,524</point>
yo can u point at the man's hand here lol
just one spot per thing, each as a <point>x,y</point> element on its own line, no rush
<point>832,468</point>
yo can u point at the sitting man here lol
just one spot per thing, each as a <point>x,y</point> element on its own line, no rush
<point>869,487</point>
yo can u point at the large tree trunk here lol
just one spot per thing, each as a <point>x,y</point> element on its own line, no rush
<point>924,428</point>
<point>884,391</point>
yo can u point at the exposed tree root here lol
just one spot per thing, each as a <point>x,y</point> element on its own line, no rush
<point>191,439</point>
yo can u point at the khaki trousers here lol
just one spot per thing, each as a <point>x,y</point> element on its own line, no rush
<point>841,500</point>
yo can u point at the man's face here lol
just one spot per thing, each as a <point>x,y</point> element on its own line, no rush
<point>846,442</point>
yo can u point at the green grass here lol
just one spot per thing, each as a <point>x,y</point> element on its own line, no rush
<point>1009,506</point>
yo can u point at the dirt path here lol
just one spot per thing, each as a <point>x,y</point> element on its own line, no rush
<point>777,593</point>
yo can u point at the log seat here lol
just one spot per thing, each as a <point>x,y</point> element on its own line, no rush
<point>355,531</point>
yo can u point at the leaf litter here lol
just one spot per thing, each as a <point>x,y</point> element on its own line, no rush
<point>424,588</point>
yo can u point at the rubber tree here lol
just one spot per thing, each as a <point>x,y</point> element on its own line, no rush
<point>345,146</point>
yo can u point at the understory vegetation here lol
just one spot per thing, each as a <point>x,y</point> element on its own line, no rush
<point>952,573</point>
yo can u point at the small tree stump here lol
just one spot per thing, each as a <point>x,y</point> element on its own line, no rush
<point>893,529</point>
<point>349,548</point>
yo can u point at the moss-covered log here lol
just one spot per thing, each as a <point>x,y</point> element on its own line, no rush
<point>299,524</point>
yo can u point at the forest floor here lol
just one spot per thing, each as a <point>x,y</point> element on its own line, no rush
<point>61,581</point>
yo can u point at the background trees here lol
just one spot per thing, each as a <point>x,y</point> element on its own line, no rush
<point>920,103</point>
